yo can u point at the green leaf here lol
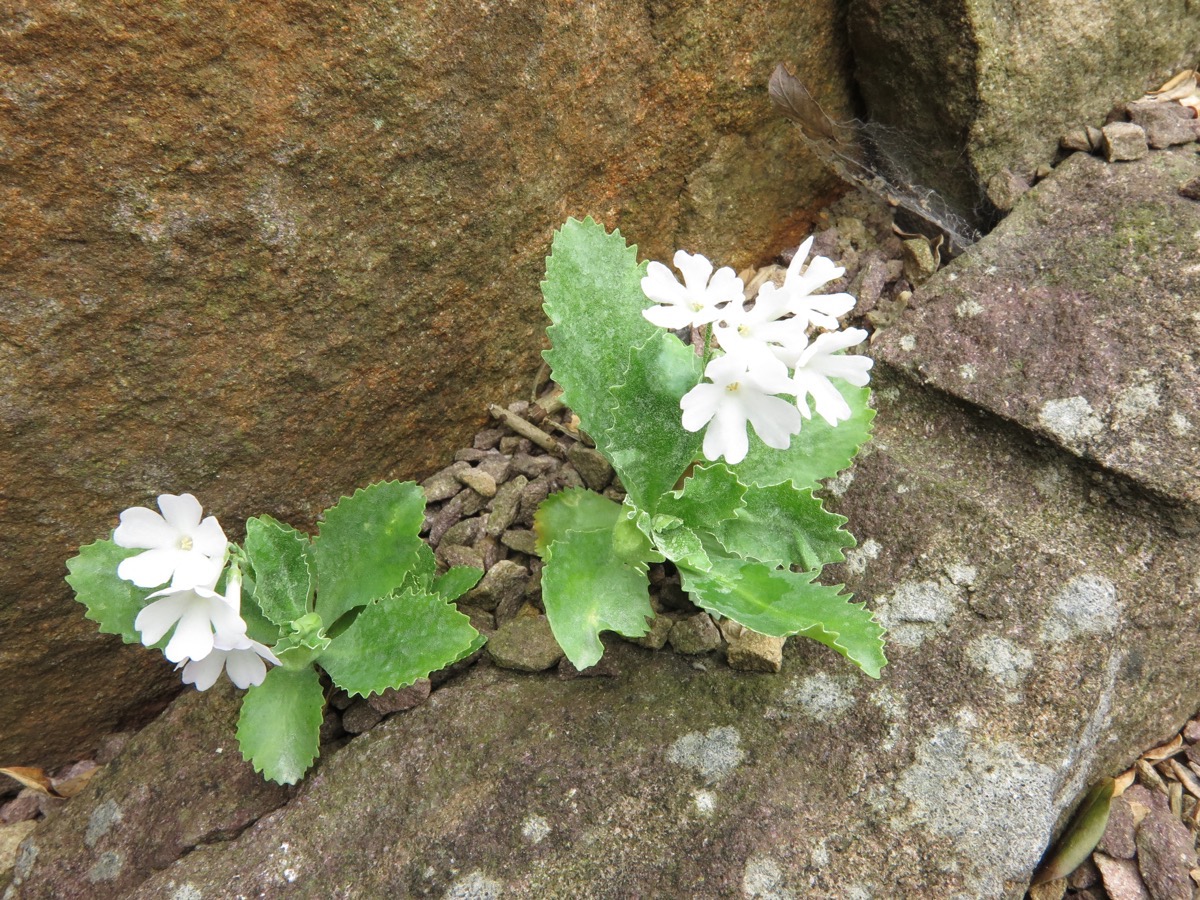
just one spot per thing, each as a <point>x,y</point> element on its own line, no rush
<point>457,582</point>
<point>111,602</point>
<point>817,452</point>
<point>781,603</point>
<point>782,526</point>
<point>280,724</point>
<point>587,589</point>
<point>682,546</point>
<point>284,574</point>
<point>647,443</point>
<point>396,640</point>
<point>594,299</point>
<point>711,494</point>
<point>366,546</point>
<point>573,509</point>
<point>1082,835</point>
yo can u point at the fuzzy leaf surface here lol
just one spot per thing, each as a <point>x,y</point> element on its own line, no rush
<point>587,588</point>
<point>817,452</point>
<point>711,495</point>
<point>573,509</point>
<point>284,574</point>
<point>280,723</point>
<point>111,603</point>
<point>781,603</point>
<point>366,545</point>
<point>647,443</point>
<point>396,640</point>
<point>782,526</point>
<point>456,582</point>
<point>593,296</point>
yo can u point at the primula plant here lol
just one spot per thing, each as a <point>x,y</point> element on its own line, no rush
<point>360,600</point>
<point>732,508</point>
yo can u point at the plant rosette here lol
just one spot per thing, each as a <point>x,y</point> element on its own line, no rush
<point>781,407</point>
<point>360,600</point>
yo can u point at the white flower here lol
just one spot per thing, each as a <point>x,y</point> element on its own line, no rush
<point>179,547</point>
<point>766,328</point>
<point>244,663</point>
<point>697,301</point>
<point>739,394</point>
<point>821,310</point>
<point>821,361</point>
<point>202,618</point>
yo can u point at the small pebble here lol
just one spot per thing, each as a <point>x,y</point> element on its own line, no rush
<point>694,635</point>
<point>1124,141</point>
<point>520,539</point>
<point>526,644</point>
<point>479,481</point>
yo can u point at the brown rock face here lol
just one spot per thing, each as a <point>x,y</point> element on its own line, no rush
<point>267,254</point>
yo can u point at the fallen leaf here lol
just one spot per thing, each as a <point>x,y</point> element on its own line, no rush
<point>1169,749</point>
<point>1187,778</point>
<point>1081,836</point>
<point>35,779</point>
<point>71,786</point>
<point>1176,88</point>
<point>1123,781</point>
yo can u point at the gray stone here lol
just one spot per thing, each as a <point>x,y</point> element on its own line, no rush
<point>749,651</point>
<point>178,784</point>
<point>451,555</point>
<point>1076,139</point>
<point>497,465</point>
<point>505,505</point>
<point>1121,878</point>
<point>505,580</point>
<point>243,255</point>
<point>1166,855</point>
<point>656,637</point>
<point>592,467</point>
<point>479,481</point>
<point>444,484</point>
<point>520,539</point>
<point>694,635</point>
<point>1058,321</point>
<point>526,644</point>
<point>1165,123</point>
<point>360,717</point>
<point>398,699</point>
<point>919,260</point>
<point>1124,141</point>
<point>962,93</point>
<point>1005,188</point>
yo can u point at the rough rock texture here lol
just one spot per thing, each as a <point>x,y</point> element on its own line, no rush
<point>268,258</point>
<point>1027,657</point>
<point>977,86</point>
<point>1078,319</point>
<point>179,784</point>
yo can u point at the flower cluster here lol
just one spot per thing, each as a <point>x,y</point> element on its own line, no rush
<point>191,554</point>
<point>787,342</point>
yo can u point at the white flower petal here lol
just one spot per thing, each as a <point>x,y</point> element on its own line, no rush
<point>203,673</point>
<point>149,569</point>
<point>726,436</point>
<point>196,570</point>
<point>144,528</point>
<point>193,637</point>
<point>695,269</point>
<point>670,317</point>
<point>699,405</point>
<point>661,286</point>
<point>156,619</point>
<point>209,538</point>
<point>225,620</point>
<point>775,420</point>
<point>182,512</point>
<point>245,668</point>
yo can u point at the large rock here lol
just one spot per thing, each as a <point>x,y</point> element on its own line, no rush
<point>1079,318</point>
<point>267,255</point>
<point>1032,650</point>
<point>972,87</point>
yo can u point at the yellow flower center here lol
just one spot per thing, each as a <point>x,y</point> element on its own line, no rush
<point>185,542</point>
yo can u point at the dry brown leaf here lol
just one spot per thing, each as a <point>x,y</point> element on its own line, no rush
<point>1123,781</point>
<point>1149,776</point>
<point>35,779</point>
<point>1170,748</point>
<point>71,786</point>
<point>1186,777</point>
<point>1178,86</point>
